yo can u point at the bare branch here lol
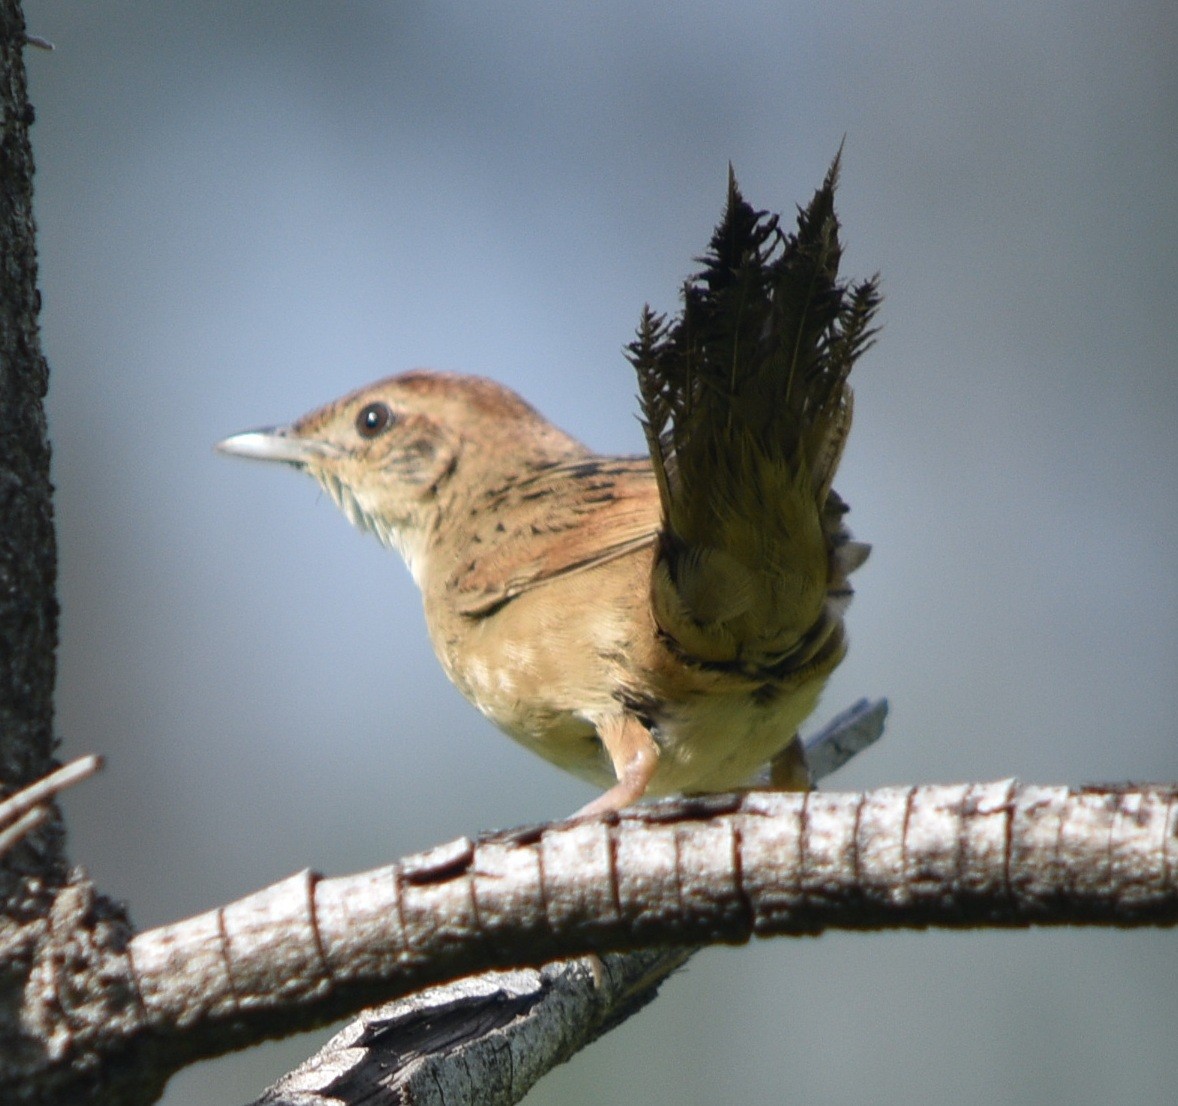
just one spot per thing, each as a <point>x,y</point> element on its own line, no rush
<point>24,824</point>
<point>485,1039</point>
<point>682,872</point>
<point>24,811</point>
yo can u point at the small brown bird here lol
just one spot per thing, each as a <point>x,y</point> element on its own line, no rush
<point>656,624</point>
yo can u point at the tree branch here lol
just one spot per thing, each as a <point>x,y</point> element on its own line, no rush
<point>1016,857</point>
<point>679,873</point>
<point>31,807</point>
<point>684,872</point>
<point>485,1039</point>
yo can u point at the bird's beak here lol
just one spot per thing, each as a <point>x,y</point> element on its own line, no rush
<point>276,443</point>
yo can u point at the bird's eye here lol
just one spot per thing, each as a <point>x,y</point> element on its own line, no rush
<point>374,419</point>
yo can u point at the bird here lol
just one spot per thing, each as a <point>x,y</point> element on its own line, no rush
<point>657,624</point>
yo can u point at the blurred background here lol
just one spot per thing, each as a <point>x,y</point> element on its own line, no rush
<point>248,209</point>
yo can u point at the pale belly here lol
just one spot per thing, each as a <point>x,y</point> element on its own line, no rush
<point>715,744</point>
<point>708,741</point>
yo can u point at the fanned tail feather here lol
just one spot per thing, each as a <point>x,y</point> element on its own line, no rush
<point>746,410</point>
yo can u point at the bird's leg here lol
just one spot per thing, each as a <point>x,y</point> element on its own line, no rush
<point>634,755</point>
<point>788,771</point>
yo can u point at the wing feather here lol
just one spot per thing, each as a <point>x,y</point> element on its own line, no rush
<point>566,518</point>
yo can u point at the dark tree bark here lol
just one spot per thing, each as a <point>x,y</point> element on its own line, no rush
<point>51,921</point>
<point>28,550</point>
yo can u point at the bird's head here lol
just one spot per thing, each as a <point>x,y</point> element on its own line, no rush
<point>395,454</point>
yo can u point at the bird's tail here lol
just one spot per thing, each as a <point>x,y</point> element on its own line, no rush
<point>746,409</point>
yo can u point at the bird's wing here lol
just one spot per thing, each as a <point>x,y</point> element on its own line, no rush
<point>563,519</point>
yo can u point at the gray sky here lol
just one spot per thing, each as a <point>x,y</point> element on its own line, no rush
<point>247,209</point>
